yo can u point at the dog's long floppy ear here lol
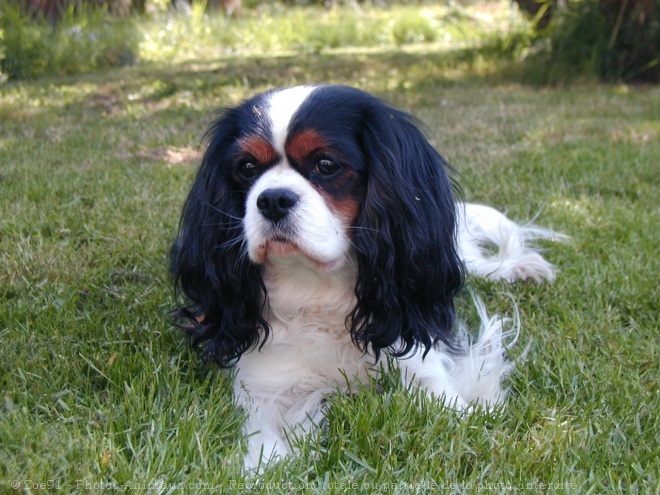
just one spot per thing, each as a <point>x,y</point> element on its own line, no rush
<point>405,239</point>
<point>209,263</point>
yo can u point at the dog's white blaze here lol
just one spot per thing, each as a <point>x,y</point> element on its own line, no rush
<point>282,106</point>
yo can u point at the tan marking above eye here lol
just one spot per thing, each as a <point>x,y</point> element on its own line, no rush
<point>303,144</point>
<point>259,148</point>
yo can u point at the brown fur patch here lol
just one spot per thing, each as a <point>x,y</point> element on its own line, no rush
<point>260,149</point>
<point>347,208</point>
<point>304,144</point>
<point>342,193</point>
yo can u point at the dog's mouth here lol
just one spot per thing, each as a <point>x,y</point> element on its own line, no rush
<point>279,247</point>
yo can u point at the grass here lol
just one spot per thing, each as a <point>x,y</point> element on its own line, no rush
<point>100,394</point>
<point>276,27</point>
<point>90,41</point>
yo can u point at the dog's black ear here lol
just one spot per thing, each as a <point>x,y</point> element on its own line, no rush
<point>405,239</point>
<point>209,262</point>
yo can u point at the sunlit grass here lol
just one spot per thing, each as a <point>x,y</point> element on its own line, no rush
<point>277,29</point>
<point>89,41</point>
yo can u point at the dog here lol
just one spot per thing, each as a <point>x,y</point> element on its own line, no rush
<point>322,238</point>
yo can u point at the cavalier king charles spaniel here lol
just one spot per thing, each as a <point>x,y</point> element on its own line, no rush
<point>322,239</point>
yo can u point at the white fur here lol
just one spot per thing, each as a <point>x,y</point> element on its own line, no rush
<point>282,105</point>
<point>282,385</point>
<point>319,232</point>
<point>482,227</point>
<point>310,353</point>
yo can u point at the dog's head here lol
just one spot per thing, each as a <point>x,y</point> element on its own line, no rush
<point>322,174</point>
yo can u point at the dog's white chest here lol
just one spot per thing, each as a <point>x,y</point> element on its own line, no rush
<point>309,351</point>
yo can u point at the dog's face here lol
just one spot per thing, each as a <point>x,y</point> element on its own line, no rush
<point>288,216</point>
<point>305,180</point>
<point>317,174</point>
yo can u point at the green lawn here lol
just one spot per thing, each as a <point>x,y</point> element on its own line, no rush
<point>99,394</point>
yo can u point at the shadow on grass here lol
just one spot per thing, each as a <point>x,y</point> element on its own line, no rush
<point>399,74</point>
<point>381,70</point>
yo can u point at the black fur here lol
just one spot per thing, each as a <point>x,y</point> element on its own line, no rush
<point>208,260</point>
<point>404,235</point>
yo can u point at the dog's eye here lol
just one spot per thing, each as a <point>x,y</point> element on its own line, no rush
<point>248,170</point>
<point>326,167</point>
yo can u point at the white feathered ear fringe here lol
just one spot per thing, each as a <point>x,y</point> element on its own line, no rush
<point>480,370</point>
<point>472,373</point>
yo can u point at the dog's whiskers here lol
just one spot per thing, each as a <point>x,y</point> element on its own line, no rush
<point>355,227</point>
<point>223,212</point>
<point>232,242</point>
<point>226,226</point>
<point>354,247</point>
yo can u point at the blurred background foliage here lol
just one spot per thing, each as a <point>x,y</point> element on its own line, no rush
<point>614,39</point>
<point>544,41</point>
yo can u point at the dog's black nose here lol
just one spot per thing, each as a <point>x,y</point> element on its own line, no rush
<point>275,204</point>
